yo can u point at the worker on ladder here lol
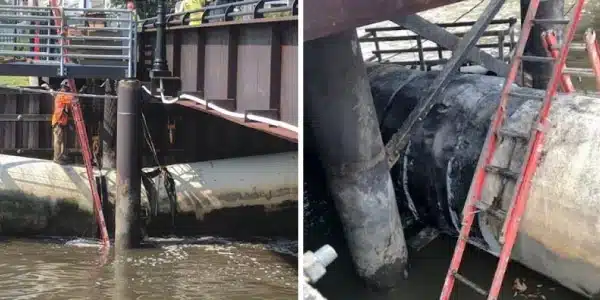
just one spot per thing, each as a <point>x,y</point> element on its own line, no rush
<point>191,5</point>
<point>60,118</point>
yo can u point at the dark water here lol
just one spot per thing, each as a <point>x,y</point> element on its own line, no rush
<point>428,266</point>
<point>202,268</point>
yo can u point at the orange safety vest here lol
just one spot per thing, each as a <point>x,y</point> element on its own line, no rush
<point>61,102</point>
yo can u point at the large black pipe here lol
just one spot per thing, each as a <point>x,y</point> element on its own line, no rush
<point>128,200</point>
<point>340,111</point>
<point>548,9</point>
<point>435,170</point>
<point>558,233</point>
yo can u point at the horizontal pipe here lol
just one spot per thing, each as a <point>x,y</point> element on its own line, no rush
<point>25,117</point>
<point>25,17</point>
<point>509,22</point>
<point>97,56</point>
<point>41,26</point>
<point>41,36</point>
<point>558,233</point>
<point>73,55</point>
<point>101,19</point>
<point>106,10</point>
<point>266,183</point>
<point>493,33</point>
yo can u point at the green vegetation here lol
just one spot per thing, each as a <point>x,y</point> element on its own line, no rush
<point>14,80</point>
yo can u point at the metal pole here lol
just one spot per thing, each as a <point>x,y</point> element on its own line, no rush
<point>160,62</point>
<point>109,129</point>
<point>127,212</point>
<point>548,9</point>
<point>341,113</point>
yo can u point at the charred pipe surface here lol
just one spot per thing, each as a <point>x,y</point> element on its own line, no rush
<point>558,234</point>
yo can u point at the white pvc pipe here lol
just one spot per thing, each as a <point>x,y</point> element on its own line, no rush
<point>277,123</point>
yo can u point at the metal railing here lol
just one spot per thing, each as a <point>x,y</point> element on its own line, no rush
<point>85,40</point>
<point>239,10</point>
<point>399,45</point>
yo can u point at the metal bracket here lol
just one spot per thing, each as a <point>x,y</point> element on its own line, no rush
<point>171,85</point>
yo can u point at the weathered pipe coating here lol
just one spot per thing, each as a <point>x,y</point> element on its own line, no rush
<point>559,232</point>
<point>237,197</point>
<point>129,171</point>
<point>341,113</point>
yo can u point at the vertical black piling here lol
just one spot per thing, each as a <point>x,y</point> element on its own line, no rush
<point>127,210</point>
<point>548,9</point>
<point>340,111</point>
<point>109,129</point>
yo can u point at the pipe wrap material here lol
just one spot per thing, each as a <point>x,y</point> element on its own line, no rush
<point>39,196</point>
<point>559,232</point>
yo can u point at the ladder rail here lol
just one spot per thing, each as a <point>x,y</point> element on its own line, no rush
<point>486,156</point>
<point>593,50</point>
<point>518,203</point>
<point>82,135</point>
<point>534,151</point>
<point>549,42</point>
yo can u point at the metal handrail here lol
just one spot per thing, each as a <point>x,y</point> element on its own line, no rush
<point>228,13</point>
<point>506,40</point>
<point>21,21</point>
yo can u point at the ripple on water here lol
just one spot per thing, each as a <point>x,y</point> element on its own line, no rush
<point>177,268</point>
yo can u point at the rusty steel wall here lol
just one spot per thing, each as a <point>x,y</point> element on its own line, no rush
<point>31,134</point>
<point>24,136</point>
<point>214,137</point>
<point>253,62</point>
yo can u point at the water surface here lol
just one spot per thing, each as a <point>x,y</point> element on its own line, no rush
<point>199,268</point>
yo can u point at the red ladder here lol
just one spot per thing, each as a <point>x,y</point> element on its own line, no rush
<point>519,199</point>
<point>550,42</point>
<point>593,51</point>
<point>82,134</point>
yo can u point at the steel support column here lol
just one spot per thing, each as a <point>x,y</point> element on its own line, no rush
<point>127,212</point>
<point>341,113</point>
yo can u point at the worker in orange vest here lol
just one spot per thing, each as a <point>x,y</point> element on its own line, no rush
<point>60,118</point>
